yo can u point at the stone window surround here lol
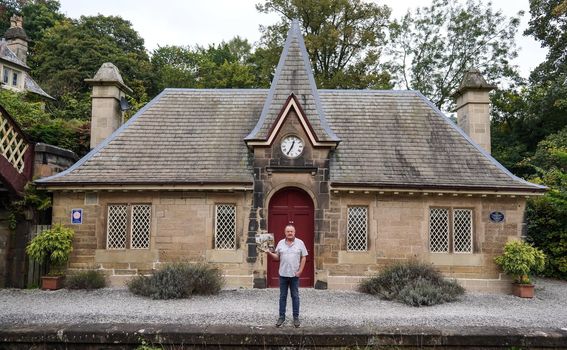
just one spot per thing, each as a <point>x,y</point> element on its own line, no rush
<point>349,208</point>
<point>451,221</point>
<point>128,243</point>
<point>216,226</point>
<point>8,75</point>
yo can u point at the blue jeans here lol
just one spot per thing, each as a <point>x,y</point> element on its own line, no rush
<point>293,284</point>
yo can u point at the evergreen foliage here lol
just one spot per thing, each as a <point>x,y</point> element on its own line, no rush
<point>547,215</point>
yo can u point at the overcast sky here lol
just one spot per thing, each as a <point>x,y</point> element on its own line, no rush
<point>190,22</point>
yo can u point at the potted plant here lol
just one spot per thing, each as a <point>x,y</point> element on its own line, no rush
<point>519,260</point>
<point>53,247</point>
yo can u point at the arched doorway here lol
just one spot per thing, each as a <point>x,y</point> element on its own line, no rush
<point>294,205</point>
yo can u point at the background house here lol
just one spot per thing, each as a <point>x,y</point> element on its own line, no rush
<point>368,177</point>
<point>13,57</point>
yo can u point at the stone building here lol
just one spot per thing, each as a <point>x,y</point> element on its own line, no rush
<point>368,178</point>
<point>13,57</point>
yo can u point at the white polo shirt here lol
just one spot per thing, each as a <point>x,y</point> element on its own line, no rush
<point>290,256</point>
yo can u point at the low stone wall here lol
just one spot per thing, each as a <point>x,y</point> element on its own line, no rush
<point>130,336</point>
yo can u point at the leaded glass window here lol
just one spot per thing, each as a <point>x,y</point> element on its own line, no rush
<point>450,230</point>
<point>225,226</point>
<point>357,229</point>
<point>128,226</point>
<point>117,226</point>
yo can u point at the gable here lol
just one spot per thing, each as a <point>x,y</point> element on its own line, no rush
<point>293,76</point>
<point>292,105</point>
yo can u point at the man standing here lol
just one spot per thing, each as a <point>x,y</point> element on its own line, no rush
<point>291,253</point>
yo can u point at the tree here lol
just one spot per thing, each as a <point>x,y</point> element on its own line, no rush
<point>73,51</point>
<point>433,46</point>
<point>547,215</point>
<point>38,16</point>
<point>227,65</point>
<point>41,126</point>
<point>548,82</point>
<point>343,39</point>
<point>524,115</point>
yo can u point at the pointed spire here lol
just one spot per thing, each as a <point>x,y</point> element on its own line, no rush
<point>293,76</point>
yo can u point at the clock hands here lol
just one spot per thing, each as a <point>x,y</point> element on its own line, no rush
<point>291,147</point>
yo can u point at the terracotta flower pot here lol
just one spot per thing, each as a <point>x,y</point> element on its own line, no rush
<point>524,290</point>
<point>52,282</point>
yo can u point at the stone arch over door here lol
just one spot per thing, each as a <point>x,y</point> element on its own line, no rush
<point>292,204</point>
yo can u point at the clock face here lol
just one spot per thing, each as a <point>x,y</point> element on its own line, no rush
<point>292,146</point>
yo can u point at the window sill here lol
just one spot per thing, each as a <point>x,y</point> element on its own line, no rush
<point>346,257</point>
<point>456,259</point>
<point>224,256</point>
<point>126,256</point>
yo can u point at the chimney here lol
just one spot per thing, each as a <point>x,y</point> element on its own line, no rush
<point>108,92</point>
<point>473,112</point>
<point>17,39</point>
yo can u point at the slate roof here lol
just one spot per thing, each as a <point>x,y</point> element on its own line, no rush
<point>389,138</point>
<point>10,56</point>
<point>293,75</point>
<point>182,136</point>
<point>29,84</point>
<point>395,139</point>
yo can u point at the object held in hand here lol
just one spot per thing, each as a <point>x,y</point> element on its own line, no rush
<point>265,242</point>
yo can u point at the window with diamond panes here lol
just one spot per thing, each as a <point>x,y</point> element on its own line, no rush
<point>140,226</point>
<point>357,229</point>
<point>225,226</point>
<point>439,230</point>
<point>462,231</point>
<point>117,226</point>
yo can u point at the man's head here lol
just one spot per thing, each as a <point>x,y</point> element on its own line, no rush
<point>290,232</point>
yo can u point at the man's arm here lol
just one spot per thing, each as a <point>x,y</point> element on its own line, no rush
<point>301,266</point>
<point>274,255</point>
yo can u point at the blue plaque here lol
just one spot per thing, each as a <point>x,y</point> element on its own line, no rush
<point>76,216</point>
<point>496,216</point>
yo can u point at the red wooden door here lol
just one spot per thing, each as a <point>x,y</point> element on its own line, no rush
<point>292,205</point>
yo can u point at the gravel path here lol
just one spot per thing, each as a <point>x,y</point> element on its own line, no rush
<point>258,307</point>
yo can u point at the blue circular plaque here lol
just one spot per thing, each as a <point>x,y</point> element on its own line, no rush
<point>496,216</point>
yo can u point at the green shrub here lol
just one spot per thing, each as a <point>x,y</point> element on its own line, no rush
<point>178,280</point>
<point>53,246</point>
<point>412,283</point>
<point>520,260</point>
<point>547,230</point>
<point>86,279</point>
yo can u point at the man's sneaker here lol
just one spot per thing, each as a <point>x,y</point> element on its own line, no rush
<point>296,322</point>
<point>280,321</point>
